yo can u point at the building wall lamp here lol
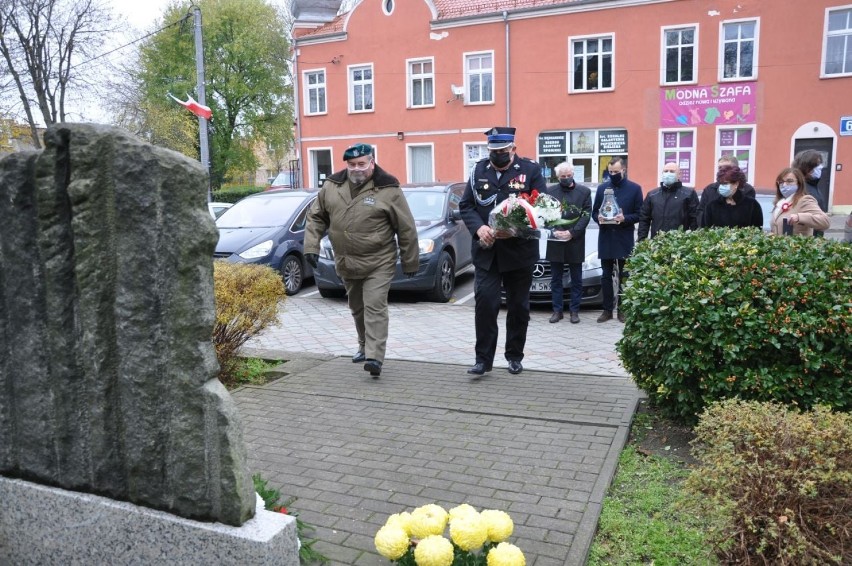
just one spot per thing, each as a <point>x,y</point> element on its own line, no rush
<point>400,136</point>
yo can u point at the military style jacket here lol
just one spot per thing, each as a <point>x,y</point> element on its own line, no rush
<point>364,229</point>
<point>484,191</point>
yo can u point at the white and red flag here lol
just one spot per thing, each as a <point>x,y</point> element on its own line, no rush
<point>194,106</point>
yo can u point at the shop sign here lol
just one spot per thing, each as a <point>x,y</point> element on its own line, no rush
<point>552,143</point>
<point>708,105</point>
<point>612,141</point>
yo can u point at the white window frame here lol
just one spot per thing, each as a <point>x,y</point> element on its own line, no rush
<point>572,88</point>
<point>412,78</point>
<point>751,148</point>
<point>693,151</point>
<point>353,84</point>
<point>309,87</point>
<point>409,162</point>
<point>312,163</point>
<point>466,159</point>
<point>467,75</point>
<point>755,50</point>
<point>664,51</point>
<point>826,34</point>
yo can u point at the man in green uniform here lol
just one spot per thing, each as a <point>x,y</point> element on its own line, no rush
<point>369,225</point>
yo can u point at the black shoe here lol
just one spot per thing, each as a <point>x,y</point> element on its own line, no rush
<point>479,368</point>
<point>575,317</point>
<point>359,357</point>
<point>620,316</point>
<point>556,316</point>
<point>515,367</point>
<point>374,367</point>
<point>605,316</point>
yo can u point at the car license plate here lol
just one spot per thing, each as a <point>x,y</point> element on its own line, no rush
<point>540,286</point>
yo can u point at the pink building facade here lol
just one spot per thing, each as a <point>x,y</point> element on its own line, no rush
<point>653,81</point>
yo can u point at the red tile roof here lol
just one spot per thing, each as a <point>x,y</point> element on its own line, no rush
<point>452,9</point>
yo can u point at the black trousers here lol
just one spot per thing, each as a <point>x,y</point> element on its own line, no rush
<point>486,289</point>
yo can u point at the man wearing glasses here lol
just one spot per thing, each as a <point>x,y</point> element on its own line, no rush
<point>369,225</point>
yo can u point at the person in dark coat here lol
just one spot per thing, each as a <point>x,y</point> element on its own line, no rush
<point>568,245</point>
<point>615,241</point>
<point>809,162</point>
<point>711,191</point>
<point>732,208</point>
<point>498,260</point>
<point>671,206</point>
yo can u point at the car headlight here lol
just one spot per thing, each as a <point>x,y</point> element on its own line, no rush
<point>326,251</point>
<point>591,262</point>
<point>426,246</point>
<point>260,250</point>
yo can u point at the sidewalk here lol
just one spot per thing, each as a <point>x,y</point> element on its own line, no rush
<point>542,445</point>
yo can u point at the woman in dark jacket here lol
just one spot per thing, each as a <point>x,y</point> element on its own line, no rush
<point>732,209</point>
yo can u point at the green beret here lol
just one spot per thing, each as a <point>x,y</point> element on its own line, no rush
<point>357,150</point>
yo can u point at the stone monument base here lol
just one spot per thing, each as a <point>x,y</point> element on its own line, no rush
<point>46,525</point>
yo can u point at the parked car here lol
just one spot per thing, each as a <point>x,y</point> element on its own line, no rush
<point>444,245</point>
<point>217,208</point>
<point>268,228</point>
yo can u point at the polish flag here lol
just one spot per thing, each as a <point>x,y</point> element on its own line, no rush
<point>196,108</point>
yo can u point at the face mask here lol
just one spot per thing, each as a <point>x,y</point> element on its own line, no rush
<point>817,172</point>
<point>669,178</point>
<point>500,158</point>
<point>566,183</point>
<point>615,178</point>
<point>725,190</point>
<point>358,176</point>
<point>788,190</point>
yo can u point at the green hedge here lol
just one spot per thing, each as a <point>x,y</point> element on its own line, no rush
<point>721,313</point>
<point>235,193</point>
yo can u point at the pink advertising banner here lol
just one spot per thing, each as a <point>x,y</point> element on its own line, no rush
<point>710,105</point>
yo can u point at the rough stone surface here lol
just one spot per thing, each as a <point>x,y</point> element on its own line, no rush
<point>107,370</point>
<point>42,525</point>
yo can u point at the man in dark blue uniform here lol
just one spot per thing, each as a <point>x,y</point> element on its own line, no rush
<point>506,261</point>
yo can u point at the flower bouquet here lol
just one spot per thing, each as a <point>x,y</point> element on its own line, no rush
<point>476,539</point>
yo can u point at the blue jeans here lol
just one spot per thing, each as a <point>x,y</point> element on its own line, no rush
<point>557,289</point>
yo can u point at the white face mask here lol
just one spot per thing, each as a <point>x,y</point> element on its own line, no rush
<point>788,190</point>
<point>668,177</point>
<point>817,172</point>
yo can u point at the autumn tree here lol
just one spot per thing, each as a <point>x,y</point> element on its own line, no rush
<point>246,73</point>
<point>43,43</point>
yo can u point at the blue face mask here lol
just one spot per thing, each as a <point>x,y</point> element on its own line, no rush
<point>669,178</point>
<point>725,190</point>
<point>788,190</point>
<point>817,172</point>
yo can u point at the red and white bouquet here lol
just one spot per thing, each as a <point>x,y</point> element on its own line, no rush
<point>529,215</point>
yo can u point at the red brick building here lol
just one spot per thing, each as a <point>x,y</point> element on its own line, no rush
<point>582,80</point>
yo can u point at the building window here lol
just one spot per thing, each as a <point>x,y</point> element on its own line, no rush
<point>678,146</point>
<point>387,7</point>
<point>738,142</point>
<point>837,46</point>
<point>421,83</point>
<point>473,152</point>
<point>738,50</point>
<point>361,88</point>
<point>593,59</point>
<point>421,167</point>
<point>680,59</point>
<point>314,82</point>
<point>479,77</point>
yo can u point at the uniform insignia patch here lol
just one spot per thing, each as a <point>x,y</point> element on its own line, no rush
<point>369,201</point>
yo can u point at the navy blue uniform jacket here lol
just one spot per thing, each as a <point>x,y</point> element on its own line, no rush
<point>615,241</point>
<point>522,176</point>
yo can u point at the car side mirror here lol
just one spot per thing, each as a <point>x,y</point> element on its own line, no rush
<point>455,215</point>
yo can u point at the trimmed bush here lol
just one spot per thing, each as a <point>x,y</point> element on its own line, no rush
<point>775,484</point>
<point>247,298</point>
<point>234,193</point>
<point>721,313</point>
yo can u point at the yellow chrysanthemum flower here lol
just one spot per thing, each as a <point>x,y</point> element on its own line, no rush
<point>463,510</point>
<point>433,550</point>
<point>468,533</point>
<point>428,520</point>
<point>401,520</point>
<point>505,554</point>
<point>499,525</point>
<point>391,542</point>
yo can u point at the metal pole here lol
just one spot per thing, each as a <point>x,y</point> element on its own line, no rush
<point>202,123</point>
